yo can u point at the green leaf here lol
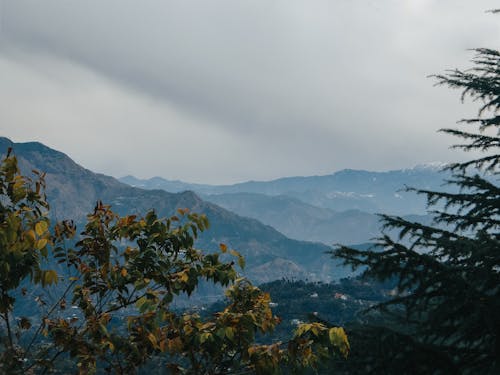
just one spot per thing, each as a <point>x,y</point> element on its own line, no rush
<point>49,277</point>
<point>229,333</point>
<point>241,262</point>
<point>206,336</point>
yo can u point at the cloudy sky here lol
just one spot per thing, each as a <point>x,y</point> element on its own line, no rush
<point>219,91</point>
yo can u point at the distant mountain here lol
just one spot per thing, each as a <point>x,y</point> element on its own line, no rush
<point>372,192</point>
<point>300,220</point>
<point>303,221</point>
<point>73,190</point>
<point>173,186</point>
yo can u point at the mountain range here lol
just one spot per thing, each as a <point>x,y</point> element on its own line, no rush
<point>336,208</point>
<point>72,192</point>
<point>348,189</point>
<point>282,227</point>
<point>303,221</point>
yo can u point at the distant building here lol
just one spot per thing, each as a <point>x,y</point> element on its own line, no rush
<point>340,296</point>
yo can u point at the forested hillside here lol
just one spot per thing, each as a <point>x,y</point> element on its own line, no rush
<point>72,192</point>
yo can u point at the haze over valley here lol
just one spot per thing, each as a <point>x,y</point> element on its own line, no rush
<point>282,227</point>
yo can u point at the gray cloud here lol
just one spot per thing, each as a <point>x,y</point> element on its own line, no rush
<point>259,89</point>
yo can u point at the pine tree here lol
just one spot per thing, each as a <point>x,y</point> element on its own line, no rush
<point>446,316</point>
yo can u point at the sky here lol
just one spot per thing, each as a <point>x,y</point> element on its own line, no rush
<point>223,91</point>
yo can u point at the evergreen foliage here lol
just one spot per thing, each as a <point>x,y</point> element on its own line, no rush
<point>445,318</point>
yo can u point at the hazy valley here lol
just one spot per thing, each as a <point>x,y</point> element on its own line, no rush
<point>273,224</point>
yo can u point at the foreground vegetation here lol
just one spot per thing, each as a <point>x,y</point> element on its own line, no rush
<point>106,306</point>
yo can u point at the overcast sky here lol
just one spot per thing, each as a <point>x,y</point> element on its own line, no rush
<point>225,91</point>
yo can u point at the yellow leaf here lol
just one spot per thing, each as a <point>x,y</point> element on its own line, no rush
<point>338,338</point>
<point>315,329</point>
<point>184,277</point>
<point>41,227</point>
<point>183,211</point>
<point>188,329</point>
<point>31,234</point>
<point>124,272</point>
<point>41,243</point>
<point>223,247</point>
<point>152,340</point>
<point>302,328</point>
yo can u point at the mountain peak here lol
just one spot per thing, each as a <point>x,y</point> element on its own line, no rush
<point>433,166</point>
<point>29,147</point>
<point>5,143</point>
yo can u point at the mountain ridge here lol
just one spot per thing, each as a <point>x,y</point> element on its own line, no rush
<point>372,192</point>
<point>73,190</point>
<point>436,166</point>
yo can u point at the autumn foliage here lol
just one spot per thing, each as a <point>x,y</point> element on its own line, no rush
<point>119,277</point>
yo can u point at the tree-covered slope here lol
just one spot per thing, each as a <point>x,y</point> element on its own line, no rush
<point>72,192</point>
